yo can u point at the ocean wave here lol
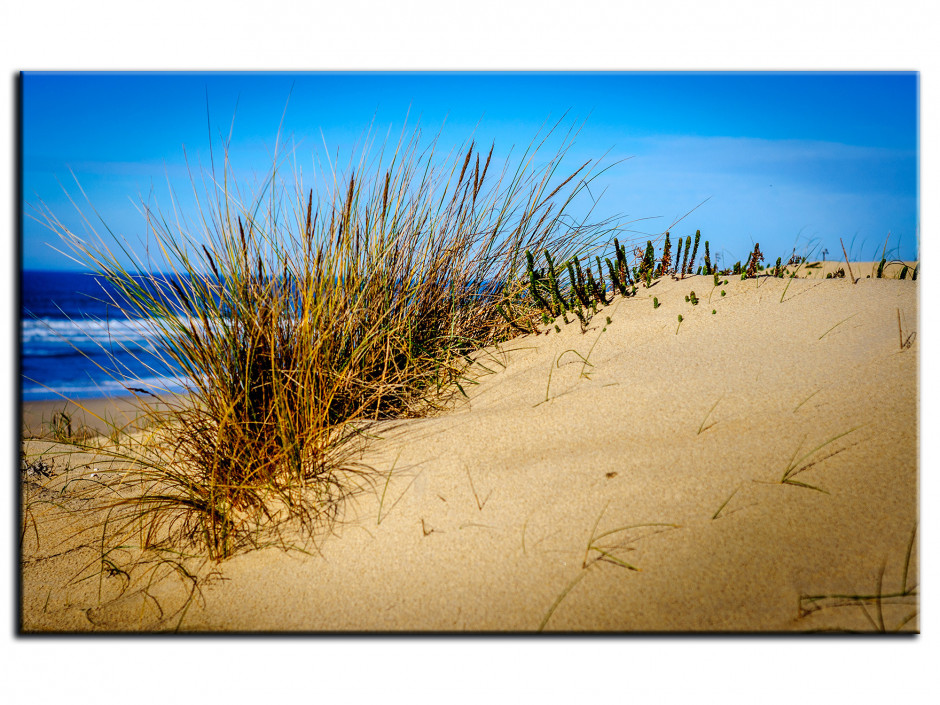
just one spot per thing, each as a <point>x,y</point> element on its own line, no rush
<point>52,337</point>
<point>84,389</point>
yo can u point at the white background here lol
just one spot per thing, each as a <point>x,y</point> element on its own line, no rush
<point>486,34</point>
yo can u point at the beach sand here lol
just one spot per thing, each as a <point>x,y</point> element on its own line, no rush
<point>627,478</point>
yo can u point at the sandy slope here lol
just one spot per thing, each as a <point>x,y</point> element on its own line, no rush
<point>672,443</point>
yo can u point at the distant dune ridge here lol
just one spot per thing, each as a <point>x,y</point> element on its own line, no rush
<point>750,467</point>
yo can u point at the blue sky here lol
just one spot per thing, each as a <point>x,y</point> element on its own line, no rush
<point>785,159</point>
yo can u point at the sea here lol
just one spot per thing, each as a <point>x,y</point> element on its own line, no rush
<point>77,344</point>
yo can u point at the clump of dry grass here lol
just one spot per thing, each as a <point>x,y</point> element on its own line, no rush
<point>298,311</point>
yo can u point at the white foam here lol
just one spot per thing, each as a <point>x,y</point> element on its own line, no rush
<point>107,387</point>
<point>56,336</point>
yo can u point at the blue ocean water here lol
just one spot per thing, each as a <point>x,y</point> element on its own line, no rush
<point>77,344</point>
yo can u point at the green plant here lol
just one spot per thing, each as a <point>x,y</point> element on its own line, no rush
<point>724,504</point>
<point>623,280</point>
<point>702,426</point>
<point>556,363</point>
<point>585,359</point>
<point>619,284</point>
<point>648,263</point>
<point>795,466</point>
<point>600,287</point>
<point>64,428</point>
<point>692,298</point>
<point>678,256</point>
<point>680,323</point>
<point>388,479</point>
<point>564,593</point>
<point>836,325</point>
<point>685,255</point>
<point>698,234</point>
<point>548,385</point>
<point>665,264</point>
<point>655,302</point>
<point>513,322</point>
<point>557,299</point>
<point>806,400</point>
<point>605,554</point>
<point>906,596</point>
<point>61,426</point>
<point>754,261</point>
<point>708,264</point>
<point>577,283</point>
<point>802,261</point>
<point>535,289</point>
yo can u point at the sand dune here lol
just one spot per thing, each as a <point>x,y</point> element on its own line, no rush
<point>624,478</point>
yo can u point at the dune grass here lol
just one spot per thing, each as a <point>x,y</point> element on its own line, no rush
<point>836,325</point>
<point>878,599</point>
<point>296,310</point>
<point>797,466</point>
<point>725,503</point>
<point>702,426</point>
<point>605,554</point>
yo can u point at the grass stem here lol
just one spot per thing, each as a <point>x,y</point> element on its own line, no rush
<point>702,425</point>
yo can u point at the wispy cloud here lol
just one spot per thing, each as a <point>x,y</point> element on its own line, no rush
<point>771,191</point>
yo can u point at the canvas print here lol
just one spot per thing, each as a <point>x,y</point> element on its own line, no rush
<point>453,352</point>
